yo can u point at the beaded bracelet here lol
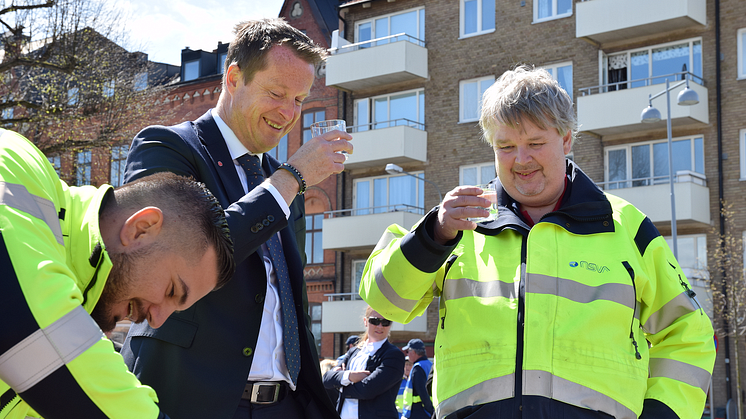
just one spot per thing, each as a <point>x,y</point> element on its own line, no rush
<point>295,172</point>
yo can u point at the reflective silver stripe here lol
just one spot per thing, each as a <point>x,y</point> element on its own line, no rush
<point>388,291</point>
<point>485,392</point>
<point>18,197</point>
<point>46,350</point>
<point>465,287</point>
<point>680,371</point>
<point>666,315</point>
<point>385,239</point>
<point>575,291</point>
<point>542,383</point>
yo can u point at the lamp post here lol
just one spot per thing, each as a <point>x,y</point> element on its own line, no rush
<point>394,169</point>
<point>687,97</point>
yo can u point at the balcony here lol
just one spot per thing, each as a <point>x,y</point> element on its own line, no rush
<point>615,108</point>
<point>606,21</point>
<point>654,198</point>
<point>361,228</point>
<point>343,313</point>
<point>402,141</point>
<point>378,62</point>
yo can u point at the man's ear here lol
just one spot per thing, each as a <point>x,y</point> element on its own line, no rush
<point>233,78</point>
<point>142,227</point>
<point>567,142</point>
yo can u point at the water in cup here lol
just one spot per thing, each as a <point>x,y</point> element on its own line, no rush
<point>489,192</point>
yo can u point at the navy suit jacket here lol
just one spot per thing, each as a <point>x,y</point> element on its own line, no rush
<point>376,393</point>
<point>199,360</point>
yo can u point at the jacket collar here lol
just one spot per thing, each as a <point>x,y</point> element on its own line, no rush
<point>584,209</point>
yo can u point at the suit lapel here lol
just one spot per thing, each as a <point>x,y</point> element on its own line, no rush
<point>209,134</point>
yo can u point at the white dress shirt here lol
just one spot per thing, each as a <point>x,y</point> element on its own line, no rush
<point>269,353</point>
<point>358,363</point>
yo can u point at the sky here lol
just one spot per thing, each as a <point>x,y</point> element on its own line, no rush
<point>163,28</point>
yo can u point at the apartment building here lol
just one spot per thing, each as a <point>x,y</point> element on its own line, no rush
<point>412,73</point>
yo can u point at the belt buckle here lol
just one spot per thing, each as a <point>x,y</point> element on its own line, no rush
<point>256,387</point>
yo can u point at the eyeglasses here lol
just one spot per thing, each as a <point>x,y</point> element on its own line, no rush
<point>375,321</point>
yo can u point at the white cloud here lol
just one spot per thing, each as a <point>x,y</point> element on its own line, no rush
<point>163,29</point>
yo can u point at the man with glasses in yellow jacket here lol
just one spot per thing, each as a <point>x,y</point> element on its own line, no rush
<point>76,260</point>
<point>568,305</point>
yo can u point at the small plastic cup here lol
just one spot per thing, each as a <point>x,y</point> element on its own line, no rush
<point>490,193</point>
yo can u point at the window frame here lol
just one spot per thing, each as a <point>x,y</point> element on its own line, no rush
<point>187,64</point>
<point>741,53</point>
<point>56,163</point>
<point>742,152</point>
<point>140,81</point>
<point>370,117</point>
<point>554,67</point>
<point>311,233</point>
<point>479,167</point>
<point>700,272</point>
<point>419,194</point>
<point>280,152</point>
<point>107,90</point>
<point>462,20</point>
<point>553,16</point>
<point>316,322</point>
<point>628,161</point>
<point>420,25</point>
<point>462,100</point>
<point>355,281</point>
<point>118,165</point>
<point>85,175</point>
<point>73,96</point>
<point>306,133</point>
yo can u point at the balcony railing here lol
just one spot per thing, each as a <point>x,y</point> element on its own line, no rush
<point>386,124</point>
<point>375,210</point>
<point>375,42</point>
<point>648,81</point>
<point>682,176</point>
<point>343,296</point>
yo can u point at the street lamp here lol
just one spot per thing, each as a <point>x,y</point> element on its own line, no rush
<point>687,97</point>
<point>394,169</point>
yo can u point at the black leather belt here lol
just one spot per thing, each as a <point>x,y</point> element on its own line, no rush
<point>265,392</point>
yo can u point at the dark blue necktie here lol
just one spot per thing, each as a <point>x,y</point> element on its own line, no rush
<point>255,176</point>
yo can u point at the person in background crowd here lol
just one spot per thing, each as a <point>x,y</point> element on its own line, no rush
<point>546,311</point>
<point>403,385</point>
<point>248,348</point>
<point>350,343</point>
<point>326,366</point>
<point>369,376</point>
<point>76,260</point>
<point>417,404</point>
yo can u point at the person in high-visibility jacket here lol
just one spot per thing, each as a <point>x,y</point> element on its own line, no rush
<point>416,400</point>
<point>76,260</point>
<point>569,304</point>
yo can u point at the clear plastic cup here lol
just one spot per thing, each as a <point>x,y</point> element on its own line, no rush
<point>490,193</point>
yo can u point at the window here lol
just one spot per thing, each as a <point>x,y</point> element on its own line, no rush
<point>357,275</point>
<point>314,251</point>
<point>470,97</point>
<point>551,9</point>
<point>692,255</point>
<point>562,72</point>
<point>141,81</point>
<point>118,163</point>
<point>7,113</point>
<point>221,62</point>
<point>476,17</point>
<point>281,151</point>
<point>742,152</point>
<point>314,311</point>
<point>380,194</point>
<point>477,174</point>
<point>55,162</point>
<point>191,70</point>
<point>108,88</point>
<point>410,22</point>
<point>83,168</point>
<point>643,164</point>
<point>742,53</point>
<point>405,108</point>
<point>653,65</point>
<point>309,117</point>
<point>72,96</point>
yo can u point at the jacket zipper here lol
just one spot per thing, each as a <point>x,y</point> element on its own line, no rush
<point>519,330</point>
<point>689,292</point>
<point>631,273</point>
<point>6,399</point>
<point>449,263</point>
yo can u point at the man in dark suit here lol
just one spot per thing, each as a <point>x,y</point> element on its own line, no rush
<point>245,351</point>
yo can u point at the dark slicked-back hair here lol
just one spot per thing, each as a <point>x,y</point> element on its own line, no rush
<point>256,37</point>
<point>192,217</point>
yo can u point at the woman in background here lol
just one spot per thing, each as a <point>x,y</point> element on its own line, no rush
<point>368,378</point>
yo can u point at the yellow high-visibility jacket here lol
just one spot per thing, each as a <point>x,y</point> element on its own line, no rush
<point>588,308</point>
<point>54,359</point>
